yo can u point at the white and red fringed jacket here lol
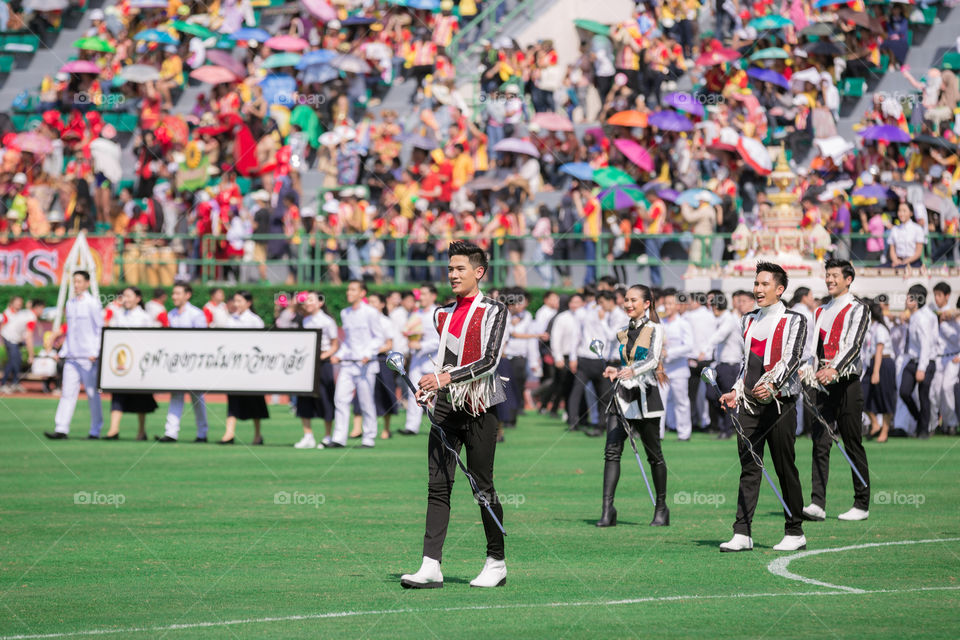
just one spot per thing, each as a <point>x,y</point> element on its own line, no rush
<point>471,344</point>
<point>840,327</point>
<point>773,341</point>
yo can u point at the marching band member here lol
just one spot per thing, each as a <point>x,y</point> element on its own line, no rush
<point>132,315</point>
<point>766,391</point>
<point>840,327</point>
<point>636,402</point>
<point>185,316</point>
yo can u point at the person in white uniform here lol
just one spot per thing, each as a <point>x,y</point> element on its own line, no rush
<point>17,331</point>
<point>321,406</point>
<point>80,353</point>
<point>244,407</point>
<point>423,346</point>
<point>132,315</point>
<point>947,386</point>
<point>941,298</point>
<point>678,338</point>
<point>185,316</point>
<point>922,334</point>
<point>362,338</point>
<point>703,323</point>
<point>726,350</point>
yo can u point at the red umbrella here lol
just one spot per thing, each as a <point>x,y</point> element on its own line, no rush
<point>33,142</point>
<point>635,153</point>
<point>717,56</point>
<point>213,74</point>
<point>755,154</point>
<point>177,128</point>
<point>287,43</point>
<point>553,122</point>
<point>227,61</point>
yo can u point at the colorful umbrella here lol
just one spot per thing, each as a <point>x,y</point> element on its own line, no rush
<point>227,61</point>
<point>287,43</point>
<point>871,192</point>
<point>755,154</point>
<point>885,133</point>
<point>321,9</point>
<point>318,74</point>
<point>579,170</point>
<point>193,29</point>
<point>350,63</point>
<point>773,21</point>
<point>139,73</point>
<point>684,102</point>
<point>768,75</point>
<point>278,89</point>
<point>717,56</point>
<point>670,121</point>
<point>819,4</point>
<point>155,35</point>
<point>516,145</point>
<point>629,118</point>
<point>213,74</point>
<point>250,33</point>
<point>620,197</point>
<point>80,66</point>
<point>285,59</point>
<point>694,197</point>
<point>94,44</point>
<point>553,121</point>
<point>177,128</point>
<point>635,153</point>
<point>770,53</point>
<point>612,177</point>
<point>592,26</point>
<point>33,142</point>
<point>670,195</point>
<point>317,56</point>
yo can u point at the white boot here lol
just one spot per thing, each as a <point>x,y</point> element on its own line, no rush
<point>791,543</point>
<point>854,514</point>
<point>306,442</point>
<point>428,577</point>
<point>738,542</point>
<point>813,512</point>
<point>494,574</point>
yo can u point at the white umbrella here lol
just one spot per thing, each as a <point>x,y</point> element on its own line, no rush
<point>140,73</point>
<point>811,75</point>
<point>45,5</point>
<point>833,147</point>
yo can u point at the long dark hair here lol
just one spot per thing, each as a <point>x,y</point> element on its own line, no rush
<point>876,313</point>
<point>654,317</point>
<point>136,291</point>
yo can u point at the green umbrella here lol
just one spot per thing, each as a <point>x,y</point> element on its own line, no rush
<point>305,117</point>
<point>611,176</point>
<point>773,21</point>
<point>770,53</point>
<point>621,197</point>
<point>94,44</point>
<point>817,29</point>
<point>194,29</point>
<point>593,26</point>
<point>284,59</point>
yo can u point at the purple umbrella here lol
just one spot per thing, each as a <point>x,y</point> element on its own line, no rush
<point>670,121</point>
<point>768,75</point>
<point>227,61</point>
<point>872,191</point>
<point>684,102</point>
<point>885,133</point>
<point>516,145</point>
<point>670,195</point>
<point>620,197</point>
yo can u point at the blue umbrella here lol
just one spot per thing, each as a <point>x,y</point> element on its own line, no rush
<point>819,4</point>
<point>278,89</point>
<point>872,191</point>
<point>155,35</point>
<point>319,74</point>
<point>768,75</point>
<point>579,170</point>
<point>250,33</point>
<point>426,5</point>
<point>694,197</point>
<point>357,21</point>
<point>318,56</point>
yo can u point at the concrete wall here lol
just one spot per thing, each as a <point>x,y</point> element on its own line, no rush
<point>556,23</point>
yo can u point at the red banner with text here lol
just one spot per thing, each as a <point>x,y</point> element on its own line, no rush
<point>41,262</point>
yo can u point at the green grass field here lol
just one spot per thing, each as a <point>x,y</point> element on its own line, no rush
<point>198,541</point>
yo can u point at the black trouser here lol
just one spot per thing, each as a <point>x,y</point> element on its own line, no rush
<point>478,436</point>
<point>726,378</point>
<point>588,370</point>
<point>544,390</point>
<point>692,389</point>
<point>776,428</point>
<point>562,250</point>
<point>907,382</point>
<point>562,385</point>
<point>14,360</point>
<point>518,380</point>
<point>842,404</point>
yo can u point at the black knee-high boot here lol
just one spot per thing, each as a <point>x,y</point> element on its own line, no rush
<point>611,475</point>
<point>661,514</point>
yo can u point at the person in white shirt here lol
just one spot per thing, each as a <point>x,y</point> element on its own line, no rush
<point>906,240</point>
<point>385,386</point>
<point>244,407</point>
<point>215,310</point>
<point>879,376</point>
<point>922,334</point>
<point>564,335</point>
<point>840,327</point>
<point>185,316</point>
<point>585,366</point>
<point>805,303</point>
<point>541,323</point>
<point>679,342</point>
<point>725,349</point>
<point>399,316</point>
<point>17,331</point>
<point>422,340</point>
<point>80,353</point>
<point>156,307</point>
<point>363,338</point>
<point>321,406</point>
<point>521,350</point>
<point>703,323</point>
<point>949,389</point>
<point>132,315</point>
<point>941,298</point>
